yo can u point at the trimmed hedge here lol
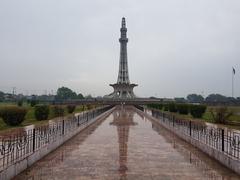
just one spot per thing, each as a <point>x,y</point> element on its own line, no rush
<point>20,103</point>
<point>41,112</point>
<point>172,107</point>
<point>13,115</point>
<point>155,106</point>
<point>58,111</point>
<point>33,103</point>
<point>71,108</point>
<point>165,107</point>
<point>197,111</point>
<point>183,108</point>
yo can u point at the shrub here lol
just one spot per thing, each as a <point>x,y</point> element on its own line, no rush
<point>89,106</point>
<point>58,111</point>
<point>41,112</point>
<point>20,103</point>
<point>183,108</point>
<point>155,106</point>
<point>172,107</point>
<point>13,115</point>
<point>165,107</point>
<point>33,103</point>
<point>197,111</point>
<point>71,108</point>
<point>220,114</point>
<point>159,106</point>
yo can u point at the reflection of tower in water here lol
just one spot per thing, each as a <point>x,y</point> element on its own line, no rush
<point>123,119</point>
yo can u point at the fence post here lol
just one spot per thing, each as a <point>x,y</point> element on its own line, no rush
<point>190,128</point>
<point>223,140</point>
<point>34,135</point>
<point>78,119</point>
<point>173,119</point>
<point>63,127</point>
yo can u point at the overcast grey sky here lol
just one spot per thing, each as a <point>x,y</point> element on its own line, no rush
<point>175,47</point>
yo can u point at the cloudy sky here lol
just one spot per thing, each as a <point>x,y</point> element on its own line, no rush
<point>176,47</point>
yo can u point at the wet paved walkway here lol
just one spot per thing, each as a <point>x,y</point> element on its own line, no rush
<point>128,146</point>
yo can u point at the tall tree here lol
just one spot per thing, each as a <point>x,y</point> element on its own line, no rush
<point>65,93</point>
<point>195,98</point>
<point>1,96</point>
<point>80,96</point>
<point>216,98</point>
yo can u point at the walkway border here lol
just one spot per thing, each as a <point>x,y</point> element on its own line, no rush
<point>88,117</point>
<point>223,158</point>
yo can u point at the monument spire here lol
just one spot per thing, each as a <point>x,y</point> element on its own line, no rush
<point>123,76</point>
<point>123,88</point>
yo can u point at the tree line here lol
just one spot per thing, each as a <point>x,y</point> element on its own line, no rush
<point>210,99</point>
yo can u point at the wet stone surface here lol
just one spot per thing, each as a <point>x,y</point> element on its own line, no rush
<point>126,145</point>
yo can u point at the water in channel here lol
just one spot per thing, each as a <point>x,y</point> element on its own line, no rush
<point>125,146</point>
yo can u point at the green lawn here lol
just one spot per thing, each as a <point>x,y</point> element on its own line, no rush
<point>207,117</point>
<point>30,118</point>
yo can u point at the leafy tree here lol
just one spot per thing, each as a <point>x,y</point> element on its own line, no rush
<point>216,98</point>
<point>65,93</point>
<point>180,100</point>
<point>1,96</point>
<point>89,96</point>
<point>80,96</point>
<point>195,98</point>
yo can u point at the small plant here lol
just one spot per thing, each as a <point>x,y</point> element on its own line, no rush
<point>183,108</point>
<point>20,103</point>
<point>159,106</point>
<point>58,111</point>
<point>33,102</point>
<point>155,106</point>
<point>197,111</point>
<point>71,108</point>
<point>13,115</point>
<point>89,106</point>
<point>172,107</point>
<point>165,107</point>
<point>41,112</point>
<point>220,114</point>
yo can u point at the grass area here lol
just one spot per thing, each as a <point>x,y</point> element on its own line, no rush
<point>30,118</point>
<point>207,117</point>
<point>234,118</point>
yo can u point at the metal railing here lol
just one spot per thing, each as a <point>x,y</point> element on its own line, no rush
<point>225,140</point>
<point>20,145</point>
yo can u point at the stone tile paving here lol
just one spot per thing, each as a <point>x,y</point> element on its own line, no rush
<point>126,146</point>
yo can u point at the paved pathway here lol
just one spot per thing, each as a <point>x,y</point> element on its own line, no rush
<point>128,146</point>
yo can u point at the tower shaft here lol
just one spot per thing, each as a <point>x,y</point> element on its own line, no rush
<point>123,76</point>
<point>123,89</point>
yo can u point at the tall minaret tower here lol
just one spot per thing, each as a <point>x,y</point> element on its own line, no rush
<point>123,76</point>
<point>123,88</point>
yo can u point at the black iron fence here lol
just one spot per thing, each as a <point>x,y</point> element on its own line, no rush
<point>17,146</point>
<point>225,140</point>
<point>141,108</point>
